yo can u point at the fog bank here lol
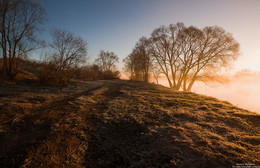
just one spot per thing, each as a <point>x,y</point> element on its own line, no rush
<point>243,90</point>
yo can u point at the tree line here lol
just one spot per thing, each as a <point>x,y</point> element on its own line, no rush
<point>183,55</point>
<point>20,23</point>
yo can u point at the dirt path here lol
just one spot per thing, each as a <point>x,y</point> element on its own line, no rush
<point>55,135</point>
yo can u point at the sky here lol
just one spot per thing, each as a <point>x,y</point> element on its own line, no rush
<point>116,25</point>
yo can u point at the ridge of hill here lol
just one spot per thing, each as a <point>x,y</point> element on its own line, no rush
<point>121,123</point>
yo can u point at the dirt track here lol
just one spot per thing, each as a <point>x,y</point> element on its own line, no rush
<point>55,134</point>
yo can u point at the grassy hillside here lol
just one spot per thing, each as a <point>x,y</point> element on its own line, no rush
<point>123,124</point>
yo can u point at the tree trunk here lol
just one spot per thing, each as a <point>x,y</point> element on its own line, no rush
<point>191,84</point>
<point>169,81</point>
<point>184,84</point>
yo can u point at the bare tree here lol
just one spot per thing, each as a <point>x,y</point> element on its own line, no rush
<point>19,21</point>
<point>107,61</point>
<point>133,66</point>
<point>139,63</point>
<point>156,72</point>
<point>188,54</point>
<point>69,51</point>
<point>165,50</point>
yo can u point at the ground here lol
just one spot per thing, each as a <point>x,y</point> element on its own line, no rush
<point>120,123</point>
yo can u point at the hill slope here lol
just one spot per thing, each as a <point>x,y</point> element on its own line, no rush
<point>124,124</point>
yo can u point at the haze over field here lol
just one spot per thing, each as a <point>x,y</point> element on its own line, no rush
<point>242,91</point>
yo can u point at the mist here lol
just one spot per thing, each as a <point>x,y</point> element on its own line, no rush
<point>242,90</point>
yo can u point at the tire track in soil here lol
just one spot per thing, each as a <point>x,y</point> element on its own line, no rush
<point>66,143</point>
<point>90,157</point>
<point>37,128</point>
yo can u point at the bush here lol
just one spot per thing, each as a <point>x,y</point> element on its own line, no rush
<point>88,73</point>
<point>46,74</point>
<point>93,72</point>
<point>50,74</point>
<point>111,75</point>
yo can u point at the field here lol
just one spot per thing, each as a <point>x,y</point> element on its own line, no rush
<point>118,123</point>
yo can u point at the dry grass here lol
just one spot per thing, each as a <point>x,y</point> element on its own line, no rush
<point>42,125</point>
<point>151,126</point>
<point>123,124</point>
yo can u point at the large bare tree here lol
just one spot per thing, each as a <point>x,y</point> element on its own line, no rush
<point>19,22</point>
<point>165,50</point>
<point>188,54</point>
<point>68,52</point>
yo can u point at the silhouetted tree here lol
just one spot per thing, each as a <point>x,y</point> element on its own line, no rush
<point>19,21</point>
<point>156,72</point>
<point>165,49</point>
<point>107,61</point>
<point>139,63</point>
<point>188,54</point>
<point>68,52</point>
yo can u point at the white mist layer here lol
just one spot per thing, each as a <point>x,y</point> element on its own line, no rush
<point>243,92</point>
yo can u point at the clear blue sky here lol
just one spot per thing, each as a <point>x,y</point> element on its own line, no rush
<point>116,25</point>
